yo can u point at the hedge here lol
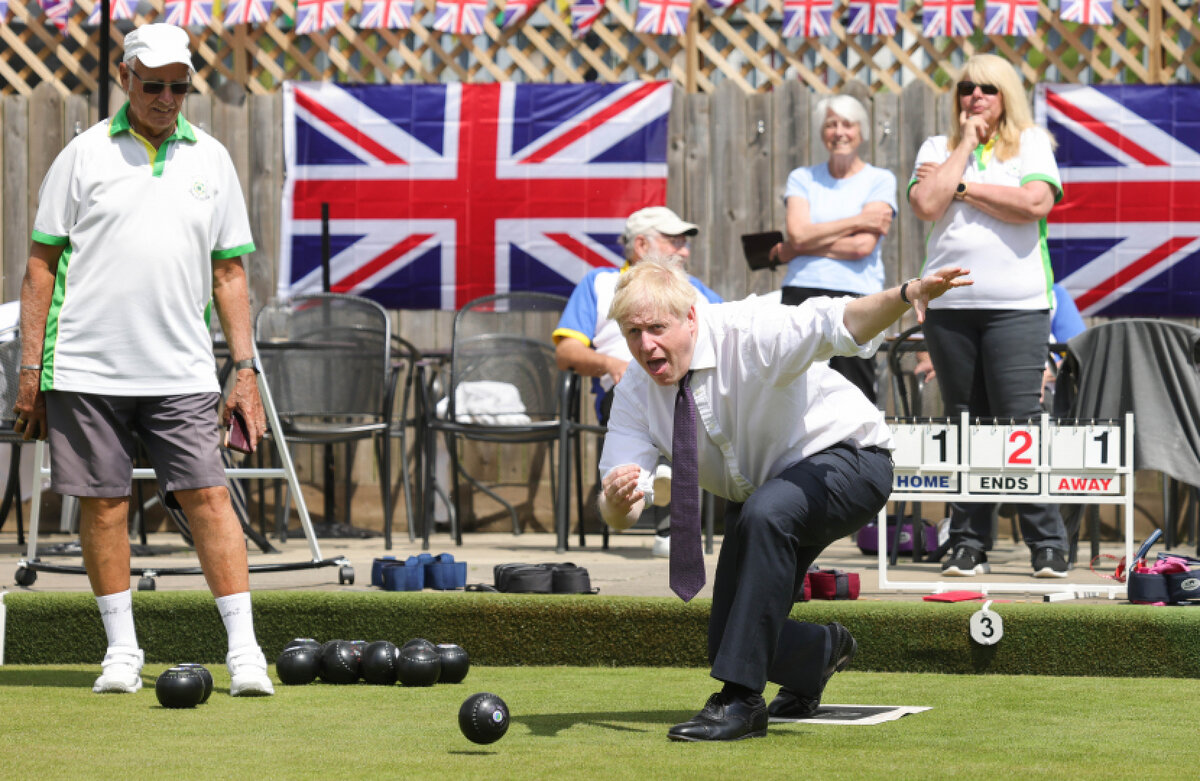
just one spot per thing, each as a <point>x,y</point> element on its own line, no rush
<point>536,630</point>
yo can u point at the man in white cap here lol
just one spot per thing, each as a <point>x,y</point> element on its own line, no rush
<point>140,228</point>
<point>590,344</point>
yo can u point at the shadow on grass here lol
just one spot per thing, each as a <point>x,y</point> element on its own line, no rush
<point>551,724</point>
<point>67,679</point>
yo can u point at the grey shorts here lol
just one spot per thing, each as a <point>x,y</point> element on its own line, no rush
<point>92,441</point>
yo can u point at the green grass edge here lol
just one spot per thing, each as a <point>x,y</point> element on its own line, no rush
<point>538,630</point>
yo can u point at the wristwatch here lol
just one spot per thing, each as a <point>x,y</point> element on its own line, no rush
<point>246,363</point>
<point>960,192</point>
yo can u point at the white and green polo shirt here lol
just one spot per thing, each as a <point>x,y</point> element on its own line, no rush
<point>1009,262</point>
<point>141,230</point>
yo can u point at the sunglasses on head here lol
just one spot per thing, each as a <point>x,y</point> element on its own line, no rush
<point>966,88</point>
<point>156,87</point>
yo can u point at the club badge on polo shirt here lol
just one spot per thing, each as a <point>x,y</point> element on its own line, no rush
<point>200,189</point>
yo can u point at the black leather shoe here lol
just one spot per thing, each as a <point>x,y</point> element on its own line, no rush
<point>789,704</point>
<point>724,718</point>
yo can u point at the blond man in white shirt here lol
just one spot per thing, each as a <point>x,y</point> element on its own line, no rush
<point>803,458</point>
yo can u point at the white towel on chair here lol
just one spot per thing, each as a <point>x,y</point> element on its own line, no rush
<point>488,402</point>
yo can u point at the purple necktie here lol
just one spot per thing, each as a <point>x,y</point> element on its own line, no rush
<point>687,558</point>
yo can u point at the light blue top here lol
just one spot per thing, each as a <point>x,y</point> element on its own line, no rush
<point>832,199</point>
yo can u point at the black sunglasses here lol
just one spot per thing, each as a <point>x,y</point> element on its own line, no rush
<point>968,87</point>
<point>156,87</point>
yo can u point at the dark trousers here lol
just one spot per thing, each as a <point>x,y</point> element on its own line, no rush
<point>990,363</point>
<point>769,543</point>
<point>860,371</point>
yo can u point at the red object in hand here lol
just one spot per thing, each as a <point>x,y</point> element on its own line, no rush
<point>237,436</point>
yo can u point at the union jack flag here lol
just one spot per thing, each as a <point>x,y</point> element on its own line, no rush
<point>117,9</point>
<point>315,15</point>
<point>1125,239</point>
<point>1087,11</point>
<point>663,17</point>
<point>516,10</point>
<point>724,5</point>
<point>584,14</point>
<point>460,17</point>
<point>441,193</point>
<point>949,18</point>
<point>1010,17</point>
<point>57,12</point>
<point>248,12</point>
<point>386,15</point>
<point>184,13</point>
<point>873,17</point>
<point>806,18</point>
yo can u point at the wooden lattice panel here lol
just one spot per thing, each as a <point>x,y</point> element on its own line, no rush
<point>1152,41</point>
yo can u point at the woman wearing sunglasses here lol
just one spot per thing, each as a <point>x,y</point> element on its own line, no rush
<point>987,189</point>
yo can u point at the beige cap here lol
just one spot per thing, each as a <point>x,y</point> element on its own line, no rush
<point>156,45</point>
<point>658,218</point>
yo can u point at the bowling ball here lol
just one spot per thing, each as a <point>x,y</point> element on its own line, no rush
<point>179,687</point>
<point>455,663</point>
<point>303,642</point>
<point>339,662</point>
<point>419,665</point>
<point>419,641</point>
<point>298,665</point>
<point>379,663</point>
<point>483,718</point>
<point>205,675</point>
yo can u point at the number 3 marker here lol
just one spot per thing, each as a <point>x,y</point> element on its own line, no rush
<point>986,627</point>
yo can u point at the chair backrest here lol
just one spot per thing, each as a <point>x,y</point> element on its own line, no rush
<point>504,338</point>
<point>1150,368</point>
<point>326,355</point>
<point>907,386</point>
<point>10,374</point>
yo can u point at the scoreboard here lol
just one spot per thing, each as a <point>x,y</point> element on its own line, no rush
<point>1025,461</point>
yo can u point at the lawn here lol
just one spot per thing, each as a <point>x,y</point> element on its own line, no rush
<point>605,723</point>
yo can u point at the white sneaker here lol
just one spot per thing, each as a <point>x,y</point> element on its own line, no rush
<point>662,546</point>
<point>248,673</point>
<point>121,671</point>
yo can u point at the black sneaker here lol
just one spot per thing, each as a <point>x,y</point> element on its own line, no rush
<point>1049,563</point>
<point>966,562</point>
<point>789,705</point>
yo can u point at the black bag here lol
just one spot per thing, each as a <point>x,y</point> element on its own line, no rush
<point>561,578</point>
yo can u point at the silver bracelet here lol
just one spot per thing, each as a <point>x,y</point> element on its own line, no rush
<point>32,367</point>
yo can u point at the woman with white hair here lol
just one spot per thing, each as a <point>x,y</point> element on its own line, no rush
<point>838,212</point>
<point>987,188</point>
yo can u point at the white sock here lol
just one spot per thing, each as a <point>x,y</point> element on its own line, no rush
<point>116,611</point>
<point>239,620</point>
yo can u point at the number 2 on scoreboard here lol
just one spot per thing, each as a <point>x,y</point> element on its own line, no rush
<point>1020,448</point>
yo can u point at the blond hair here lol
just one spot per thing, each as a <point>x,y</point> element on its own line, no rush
<point>658,285</point>
<point>1016,117</point>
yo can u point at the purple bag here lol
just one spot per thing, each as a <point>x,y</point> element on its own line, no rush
<point>867,538</point>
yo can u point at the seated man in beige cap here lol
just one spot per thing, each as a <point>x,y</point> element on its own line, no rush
<point>149,213</point>
<point>587,342</point>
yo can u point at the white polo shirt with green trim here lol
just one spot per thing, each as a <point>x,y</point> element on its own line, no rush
<point>1009,262</point>
<point>140,230</point>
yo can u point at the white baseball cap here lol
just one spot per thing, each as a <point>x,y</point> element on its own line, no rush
<point>658,218</point>
<point>156,45</point>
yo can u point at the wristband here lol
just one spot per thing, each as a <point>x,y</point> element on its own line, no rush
<point>246,363</point>
<point>904,290</point>
<point>32,367</point>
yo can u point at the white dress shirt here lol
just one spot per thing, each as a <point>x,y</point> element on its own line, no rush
<point>765,396</point>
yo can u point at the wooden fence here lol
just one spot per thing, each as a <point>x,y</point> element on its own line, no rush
<point>1151,41</point>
